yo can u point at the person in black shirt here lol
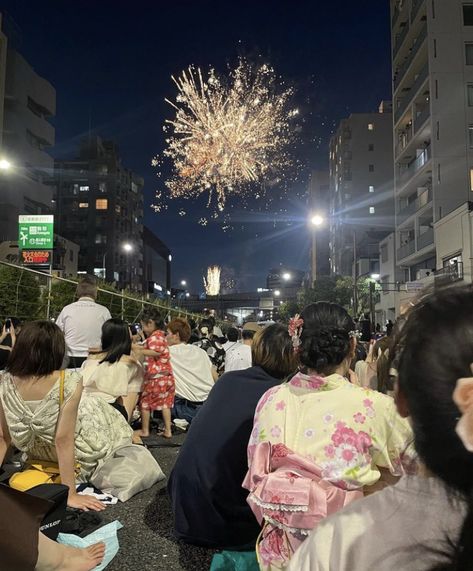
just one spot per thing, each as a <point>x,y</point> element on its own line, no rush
<point>209,503</point>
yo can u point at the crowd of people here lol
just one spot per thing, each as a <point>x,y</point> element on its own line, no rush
<point>313,445</point>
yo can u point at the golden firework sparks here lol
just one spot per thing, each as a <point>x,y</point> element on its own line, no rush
<point>227,134</point>
<point>212,283</point>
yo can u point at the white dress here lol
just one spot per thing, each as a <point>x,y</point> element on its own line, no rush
<point>100,429</point>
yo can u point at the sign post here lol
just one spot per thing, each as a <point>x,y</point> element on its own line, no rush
<point>36,244</point>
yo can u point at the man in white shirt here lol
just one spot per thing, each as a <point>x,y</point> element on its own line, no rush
<point>194,374</point>
<point>81,322</point>
<point>237,355</point>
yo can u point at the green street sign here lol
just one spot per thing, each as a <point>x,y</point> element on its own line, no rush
<point>36,232</point>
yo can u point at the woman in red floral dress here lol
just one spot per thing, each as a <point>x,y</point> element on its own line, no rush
<point>158,387</point>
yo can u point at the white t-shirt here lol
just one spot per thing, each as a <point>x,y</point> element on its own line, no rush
<point>111,380</point>
<point>192,370</point>
<point>237,357</point>
<point>82,323</point>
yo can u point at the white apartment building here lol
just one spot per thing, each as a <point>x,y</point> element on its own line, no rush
<point>432,54</point>
<point>27,101</point>
<point>361,191</point>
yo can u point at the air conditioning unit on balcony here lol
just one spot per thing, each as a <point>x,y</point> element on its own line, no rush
<point>422,274</point>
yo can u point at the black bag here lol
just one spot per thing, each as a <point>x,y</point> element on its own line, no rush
<point>56,495</point>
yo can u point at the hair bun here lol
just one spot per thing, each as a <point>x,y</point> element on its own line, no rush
<point>323,347</point>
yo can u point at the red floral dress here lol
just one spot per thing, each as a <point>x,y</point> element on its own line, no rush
<point>158,386</point>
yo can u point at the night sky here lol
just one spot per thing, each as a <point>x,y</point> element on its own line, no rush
<point>111,65</point>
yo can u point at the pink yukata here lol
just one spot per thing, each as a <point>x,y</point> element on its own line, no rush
<point>316,443</point>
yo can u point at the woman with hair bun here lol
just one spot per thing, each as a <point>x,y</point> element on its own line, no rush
<point>318,441</point>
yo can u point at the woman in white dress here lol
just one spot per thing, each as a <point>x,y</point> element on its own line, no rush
<point>43,415</point>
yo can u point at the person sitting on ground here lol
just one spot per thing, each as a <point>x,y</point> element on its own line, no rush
<point>111,372</point>
<point>195,336</point>
<point>193,371</point>
<point>209,503</point>
<point>336,437</point>
<point>237,355</point>
<point>424,522</point>
<point>81,322</point>
<point>158,387</point>
<point>10,330</point>
<point>213,349</point>
<point>32,418</point>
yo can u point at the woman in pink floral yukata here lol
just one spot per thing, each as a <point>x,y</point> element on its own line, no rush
<point>318,441</point>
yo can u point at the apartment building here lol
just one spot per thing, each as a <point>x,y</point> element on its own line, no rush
<point>27,103</point>
<point>432,55</point>
<point>361,191</point>
<point>100,207</point>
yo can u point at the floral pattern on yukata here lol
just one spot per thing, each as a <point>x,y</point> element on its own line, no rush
<point>158,387</point>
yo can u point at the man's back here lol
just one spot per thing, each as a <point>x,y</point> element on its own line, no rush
<point>192,372</point>
<point>82,323</point>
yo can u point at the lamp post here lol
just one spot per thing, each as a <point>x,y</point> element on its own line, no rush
<point>128,248</point>
<point>316,220</point>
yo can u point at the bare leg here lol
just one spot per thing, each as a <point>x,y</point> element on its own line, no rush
<point>53,556</point>
<point>145,419</point>
<point>167,422</point>
<point>129,402</point>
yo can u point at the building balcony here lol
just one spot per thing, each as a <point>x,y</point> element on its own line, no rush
<point>449,274</point>
<point>402,69</point>
<point>422,200</point>
<point>404,102</point>
<point>406,250</point>
<point>421,118</point>
<point>400,39</point>
<point>425,239</point>
<point>414,166</point>
<point>395,17</point>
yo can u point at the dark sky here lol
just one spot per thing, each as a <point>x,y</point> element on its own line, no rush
<point>111,63</point>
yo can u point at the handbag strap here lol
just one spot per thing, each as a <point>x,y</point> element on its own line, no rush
<point>61,388</point>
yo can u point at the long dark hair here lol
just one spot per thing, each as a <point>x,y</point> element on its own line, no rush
<point>432,351</point>
<point>116,340</point>
<point>325,339</point>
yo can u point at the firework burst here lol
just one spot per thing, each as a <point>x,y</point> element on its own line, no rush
<point>227,134</point>
<point>212,283</point>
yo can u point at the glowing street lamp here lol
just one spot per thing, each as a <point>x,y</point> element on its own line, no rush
<point>127,247</point>
<point>277,293</point>
<point>183,283</point>
<point>5,165</point>
<point>286,276</point>
<point>317,220</point>
<point>375,276</point>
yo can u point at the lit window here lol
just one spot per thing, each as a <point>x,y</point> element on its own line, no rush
<point>83,205</point>
<point>471,180</point>
<point>84,188</point>
<point>371,188</point>
<point>370,127</point>
<point>101,204</point>
<point>372,211</point>
<point>469,53</point>
<point>371,168</point>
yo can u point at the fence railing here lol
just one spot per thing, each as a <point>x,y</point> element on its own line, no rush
<point>30,294</point>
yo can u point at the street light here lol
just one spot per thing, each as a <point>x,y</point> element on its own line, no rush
<point>5,165</point>
<point>183,283</point>
<point>375,276</point>
<point>317,220</point>
<point>277,293</point>
<point>127,247</point>
<point>286,276</point>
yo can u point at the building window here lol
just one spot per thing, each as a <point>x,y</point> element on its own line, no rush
<point>75,187</point>
<point>468,14</point>
<point>371,147</point>
<point>383,250</point>
<point>101,204</point>
<point>371,188</point>
<point>117,209</point>
<point>469,53</point>
<point>469,88</point>
<point>100,238</point>
<point>471,180</point>
<point>371,168</point>
<point>83,205</point>
<point>370,127</point>
<point>372,210</point>
<point>102,187</point>
<point>71,255</point>
<point>84,188</point>
<point>470,136</point>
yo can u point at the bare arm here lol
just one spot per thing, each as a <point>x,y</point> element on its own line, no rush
<point>65,448</point>
<point>5,438</point>
<point>214,374</point>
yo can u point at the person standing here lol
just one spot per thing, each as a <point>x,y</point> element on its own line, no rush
<point>158,388</point>
<point>81,322</point>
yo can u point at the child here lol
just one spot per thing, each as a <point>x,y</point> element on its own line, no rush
<point>158,387</point>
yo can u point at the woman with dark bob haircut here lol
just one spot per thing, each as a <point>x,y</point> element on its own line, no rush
<point>42,413</point>
<point>208,501</point>
<point>112,372</point>
<point>335,436</point>
<point>424,522</point>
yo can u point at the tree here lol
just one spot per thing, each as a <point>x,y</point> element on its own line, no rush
<point>20,294</point>
<point>62,294</point>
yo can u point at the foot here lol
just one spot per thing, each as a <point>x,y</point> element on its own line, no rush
<point>141,433</point>
<point>165,434</point>
<point>82,559</point>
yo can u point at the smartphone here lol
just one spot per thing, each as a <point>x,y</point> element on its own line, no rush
<point>135,328</point>
<point>8,324</point>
